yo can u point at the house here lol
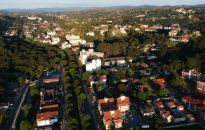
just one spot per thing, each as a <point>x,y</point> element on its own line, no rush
<point>51,33</point>
<point>147,110</point>
<point>183,38</point>
<point>55,40</point>
<point>100,79</point>
<point>191,103</point>
<point>151,29</point>
<point>119,61</point>
<point>160,82</point>
<point>106,104</point>
<point>89,44</point>
<point>90,34</point>
<point>158,104</point>
<point>65,45</point>
<point>171,104</point>
<point>75,40</point>
<point>123,103</point>
<point>201,112</point>
<point>47,118</point>
<point>51,107</point>
<point>178,116</point>
<point>173,33</point>
<point>166,115</point>
<point>190,117</point>
<point>201,87</point>
<point>191,74</point>
<point>112,119</point>
<point>51,80</point>
<point>180,107</point>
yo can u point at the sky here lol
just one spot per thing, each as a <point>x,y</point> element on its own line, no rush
<point>31,4</point>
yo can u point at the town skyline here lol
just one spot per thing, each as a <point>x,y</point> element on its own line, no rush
<point>31,4</point>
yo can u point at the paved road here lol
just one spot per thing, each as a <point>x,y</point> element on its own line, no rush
<point>12,113</point>
<point>13,126</point>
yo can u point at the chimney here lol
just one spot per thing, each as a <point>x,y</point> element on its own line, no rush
<point>122,97</point>
<point>112,112</point>
<point>106,99</point>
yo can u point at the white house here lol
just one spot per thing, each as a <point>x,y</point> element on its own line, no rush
<point>65,45</point>
<point>51,33</point>
<point>90,34</point>
<point>55,40</point>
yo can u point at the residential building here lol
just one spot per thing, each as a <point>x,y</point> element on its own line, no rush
<point>47,118</point>
<point>191,103</point>
<point>119,61</point>
<point>173,33</point>
<point>106,104</point>
<point>89,53</point>
<point>51,80</point>
<point>90,34</point>
<point>94,65</point>
<point>112,118</point>
<point>147,110</point>
<point>75,40</point>
<point>191,74</point>
<point>123,103</point>
<point>65,45</point>
<point>160,82</point>
<point>201,87</point>
<point>166,115</point>
<point>55,40</point>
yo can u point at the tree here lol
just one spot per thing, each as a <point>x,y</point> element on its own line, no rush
<point>122,88</point>
<point>25,125</point>
<point>86,122</point>
<point>177,81</point>
<point>34,92</point>
<point>142,96</point>
<point>86,76</point>
<point>163,92</point>
<point>21,80</point>
<point>73,124</point>
<point>27,110</point>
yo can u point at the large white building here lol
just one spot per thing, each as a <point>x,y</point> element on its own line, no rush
<point>75,40</point>
<point>85,54</point>
<point>94,65</point>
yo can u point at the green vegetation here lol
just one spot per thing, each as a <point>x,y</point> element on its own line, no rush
<point>25,125</point>
<point>75,95</point>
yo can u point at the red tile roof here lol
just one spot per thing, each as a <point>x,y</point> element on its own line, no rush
<point>123,101</point>
<point>53,80</point>
<point>106,103</point>
<point>171,104</point>
<point>50,106</point>
<point>46,115</point>
<point>192,100</point>
<point>161,82</point>
<point>201,108</point>
<point>105,100</point>
<point>112,115</point>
